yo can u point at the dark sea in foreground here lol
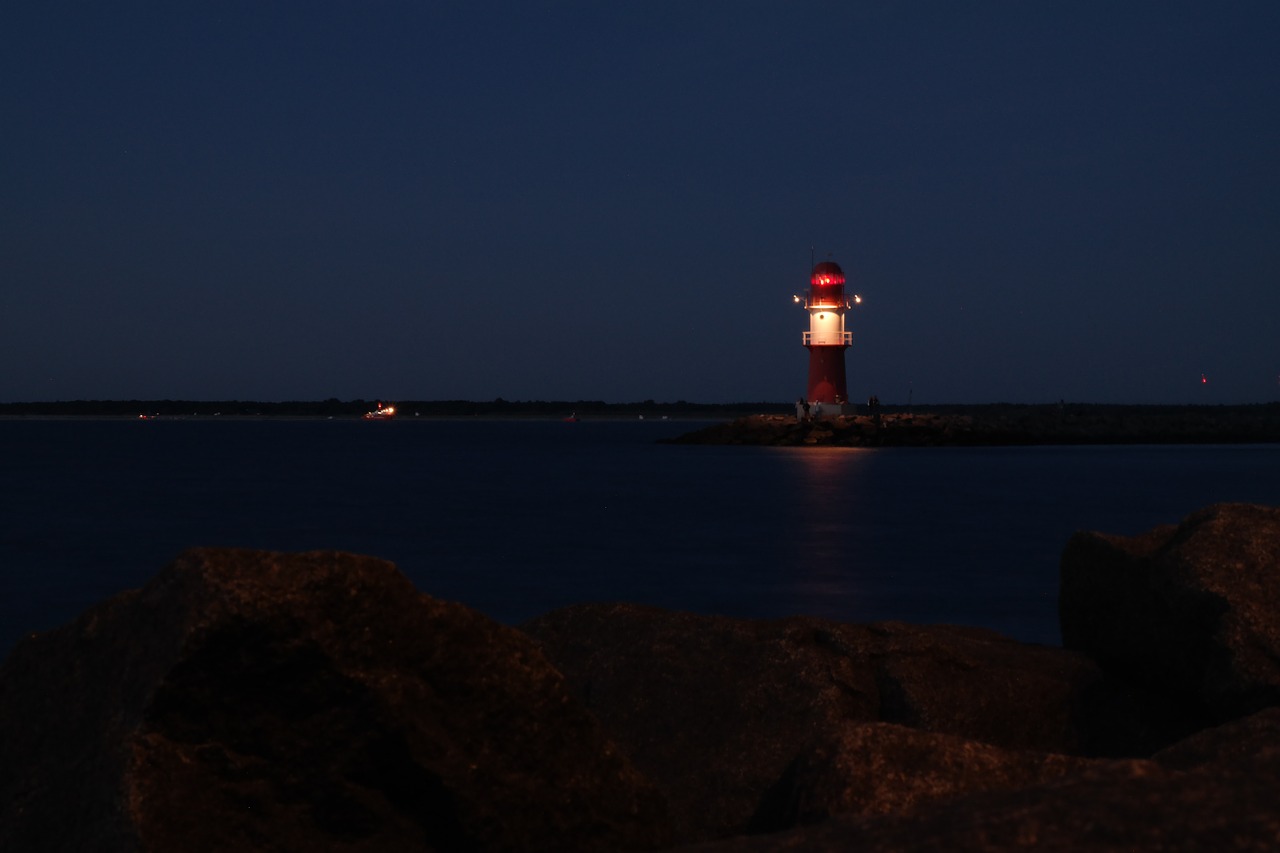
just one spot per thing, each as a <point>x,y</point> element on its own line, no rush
<point>518,517</point>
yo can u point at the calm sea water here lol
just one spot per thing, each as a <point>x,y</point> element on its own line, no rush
<point>516,518</point>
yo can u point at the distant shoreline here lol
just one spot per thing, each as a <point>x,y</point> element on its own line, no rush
<point>981,412</point>
<point>407,409</point>
<point>597,418</point>
<point>760,424</point>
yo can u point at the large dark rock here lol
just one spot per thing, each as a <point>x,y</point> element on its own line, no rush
<point>885,789</point>
<point>248,701</point>
<point>1187,610</point>
<point>1114,806</point>
<point>1229,742</point>
<point>881,769</point>
<point>714,709</point>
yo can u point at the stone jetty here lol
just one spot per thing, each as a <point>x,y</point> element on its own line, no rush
<point>1003,425</point>
<point>260,701</point>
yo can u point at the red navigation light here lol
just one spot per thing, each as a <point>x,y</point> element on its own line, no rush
<point>827,274</point>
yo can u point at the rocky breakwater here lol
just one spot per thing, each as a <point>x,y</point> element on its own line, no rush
<point>263,701</point>
<point>1004,425</point>
<point>255,701</point>
<point>1154,728</point>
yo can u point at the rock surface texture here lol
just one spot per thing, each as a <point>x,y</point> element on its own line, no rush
<point>1116,807</point>
<point>256,701</point>
<point>882,769</point>
<point>1192,611</point>
<point>714,709</point>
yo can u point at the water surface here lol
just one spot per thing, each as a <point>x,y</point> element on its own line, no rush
<point>516,518</point>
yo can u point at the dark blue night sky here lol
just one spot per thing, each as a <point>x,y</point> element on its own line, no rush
<point>616,201</point>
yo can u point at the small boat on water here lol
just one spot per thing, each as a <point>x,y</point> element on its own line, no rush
<point>381,413</point>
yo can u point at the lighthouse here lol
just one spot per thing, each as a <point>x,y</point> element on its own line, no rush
<point>827,338</point>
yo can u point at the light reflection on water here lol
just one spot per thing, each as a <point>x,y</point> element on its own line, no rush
<point>829,489</point>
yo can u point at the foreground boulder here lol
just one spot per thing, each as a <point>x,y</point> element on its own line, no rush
<point>890,790</point>
<point>1190,610</point>
<point>1230,742</point>
<point>891,786</point>
<point>247,700</point>
<point>715,709</point>
<point>1114,806</point>
<point>880,769</point>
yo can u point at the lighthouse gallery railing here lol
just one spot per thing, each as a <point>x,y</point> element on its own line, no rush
<point>846,339</point>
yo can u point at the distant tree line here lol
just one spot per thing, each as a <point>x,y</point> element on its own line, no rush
<point>499,408</point>
<point>406,408</point>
